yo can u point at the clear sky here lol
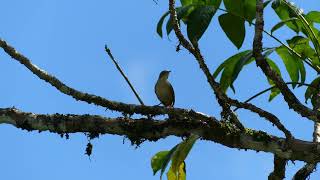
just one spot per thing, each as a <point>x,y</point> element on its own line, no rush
<point>67,38</point>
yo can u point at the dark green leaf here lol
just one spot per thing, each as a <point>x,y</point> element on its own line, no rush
<point>230,71</point>
<point>246,59</point>
<point>250,10</point>
<point>198,21</point>
<point>182,152</point>
<point>234,28</point>
<point>186,2</point>
<point>235,7</point>
<point>281,23</point>
<point>159,25</point>
<point>311,91</point>
<point>314,16</point>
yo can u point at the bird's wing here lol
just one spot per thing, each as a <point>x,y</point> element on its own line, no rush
<point>173,97</point>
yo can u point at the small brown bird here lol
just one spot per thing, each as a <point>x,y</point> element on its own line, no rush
<point>164,90</point>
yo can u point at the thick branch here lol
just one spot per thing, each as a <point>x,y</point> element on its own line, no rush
<point>147,129</point>
<point>288,95</point>
<point>279,171</point>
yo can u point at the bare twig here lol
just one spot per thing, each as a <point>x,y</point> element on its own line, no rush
<point>123,75</point>
<point>270,88</point>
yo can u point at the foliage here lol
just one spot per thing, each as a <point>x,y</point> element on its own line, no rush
<point>176,155</point>
<point>301,49</point>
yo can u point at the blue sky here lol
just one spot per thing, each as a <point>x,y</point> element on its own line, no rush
<point>67,38</point>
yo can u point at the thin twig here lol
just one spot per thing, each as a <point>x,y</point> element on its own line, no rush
<point>270,88</point>
<point>265,114</point>
<point>123,75</point>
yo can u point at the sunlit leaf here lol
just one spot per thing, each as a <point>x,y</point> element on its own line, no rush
<point>292,63</point>
<point>180,175</point>
<point>314,16</point>
<point>182,152</point>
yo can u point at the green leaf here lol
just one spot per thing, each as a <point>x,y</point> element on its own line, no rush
<point>285,13</point>
<point>182,152</point>
<point>246,59</point>
<point>230,71</point>
<point>314,16</point>
<point>234,28</point>
<point>180,175</point>
<point>292,63</point>
<point>159,25</point>
<point>161,160</point>
<point>250,10</point>
<point>281,23</point>
<point>301,46</point>
<point>307,28</point>
<point>198,21</point>
<point>311,91</point>
<point>186,2</point>
<point>235,7</point>
<point>274,91</point>
<point>158,160</point>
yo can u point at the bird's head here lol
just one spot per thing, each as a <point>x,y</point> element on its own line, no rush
<point>164,74</point>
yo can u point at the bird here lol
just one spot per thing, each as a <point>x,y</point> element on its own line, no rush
<point>164,89</point>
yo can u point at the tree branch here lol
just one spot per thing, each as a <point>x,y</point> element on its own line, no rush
<point>265,114</point>
<point>309,168</point>
<point>279,171</point>
<point>138,130</point>
<point>90,98</point>
<point>289,97</point>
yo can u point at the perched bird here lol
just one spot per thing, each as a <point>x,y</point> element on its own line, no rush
<point>164,89</point>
